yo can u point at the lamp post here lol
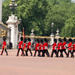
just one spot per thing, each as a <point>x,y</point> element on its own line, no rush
<point>12,6</point>
<point>13,25</point>
<point>52,35</point>
<point>57,34</point>
<point>32,35</point>
<point>52,25</point>
<point>20,33</point>
<point>20,20</point>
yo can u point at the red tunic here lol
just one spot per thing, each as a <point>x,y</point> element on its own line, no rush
<point>59,46</point>
<point>20,44</point>
<point>54,46</point>
<point>37,46</point>
<point>45,46</point>
<point>4,44</point>
<point>63,45</point>
<point>29,45</point>
<point>70,46</point>
<point>24,46</point>
<point>73,46</point>
<point>40,46</point>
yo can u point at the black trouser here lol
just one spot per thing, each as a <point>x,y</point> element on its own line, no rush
<point>61,53</point>
<point>19,51</point>
<point>56,53</point>
<point>45,52</point>
<point>70,52</point>
<point>3,51</point>
<point>64,50</point>
<point>36,51</point>
<point>73,53</point>
<point>24,53</point>
<point>29,51</point>
<point>40,53</point>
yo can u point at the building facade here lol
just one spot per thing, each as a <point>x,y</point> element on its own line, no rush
<point>3,32</point>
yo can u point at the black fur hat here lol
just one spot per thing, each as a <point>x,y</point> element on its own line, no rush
<point>70,40</point>
<point>74,40</point>
<point>55,40</point>
<point>4,38</point>
<point>41,40</point>
<point>37,40</point>
<point>21,38</point>
<point>25,40</point>
<point>45,40</point>
<point>60,40</point>
<point>29,39</point>
<point>65,39</point>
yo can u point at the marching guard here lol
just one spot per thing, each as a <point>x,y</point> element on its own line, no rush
<point>54,48</point>
<point>59,47</point>
<point>45,48</point>
<point>4,46</point>
<point>20,47</point>
<point>36,47</point>
<point>64,46</point>
<point>70,48</point>
<point>41,48</point>
<point>24,47</point>
<point>28,47</point>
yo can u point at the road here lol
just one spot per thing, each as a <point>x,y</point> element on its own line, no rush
<point>27,65</point>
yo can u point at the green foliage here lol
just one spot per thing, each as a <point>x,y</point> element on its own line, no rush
<point>6,11</point>
<point>39,14</point>
<point>69,28</point>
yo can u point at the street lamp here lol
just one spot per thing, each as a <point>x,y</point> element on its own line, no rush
<point>32,36</point>
<point>52,25</point>
<point>52,35</point>
<point>13,6</point>
<point>57,32</point>
<point>20,20</point>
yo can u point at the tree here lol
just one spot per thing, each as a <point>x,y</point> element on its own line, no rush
<point>39,14</point>
<point>69,28</point>
<point>6,11</point>
<point>32,13</point>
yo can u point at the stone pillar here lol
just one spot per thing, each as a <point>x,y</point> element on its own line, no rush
<point>57,35</point>
<point>19,36</point>
<point>0,10</point>
<point>13,26</point>
<point>52,39</point>
<point>32,35</point>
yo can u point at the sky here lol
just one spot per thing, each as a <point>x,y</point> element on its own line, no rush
<point>73,0</point>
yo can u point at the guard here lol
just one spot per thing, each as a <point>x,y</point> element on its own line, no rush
<point>20,47</point>
<point>70,48</point>
<point>36,47</point>
<point>24,47</point>
<point>29,47</point>
<point>4,46</point>
<point>59,47</point>
<point>64,46</point>
<point>45,48</point>
<point>54,48</point>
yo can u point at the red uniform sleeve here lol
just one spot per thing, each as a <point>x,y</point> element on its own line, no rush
<point>37,46</point>
<point>4,44</point>
<point>70,46</point>
<point>73,46</point>
<point>29,45</point>
<point>20,44</point>
<point>54,46</point>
